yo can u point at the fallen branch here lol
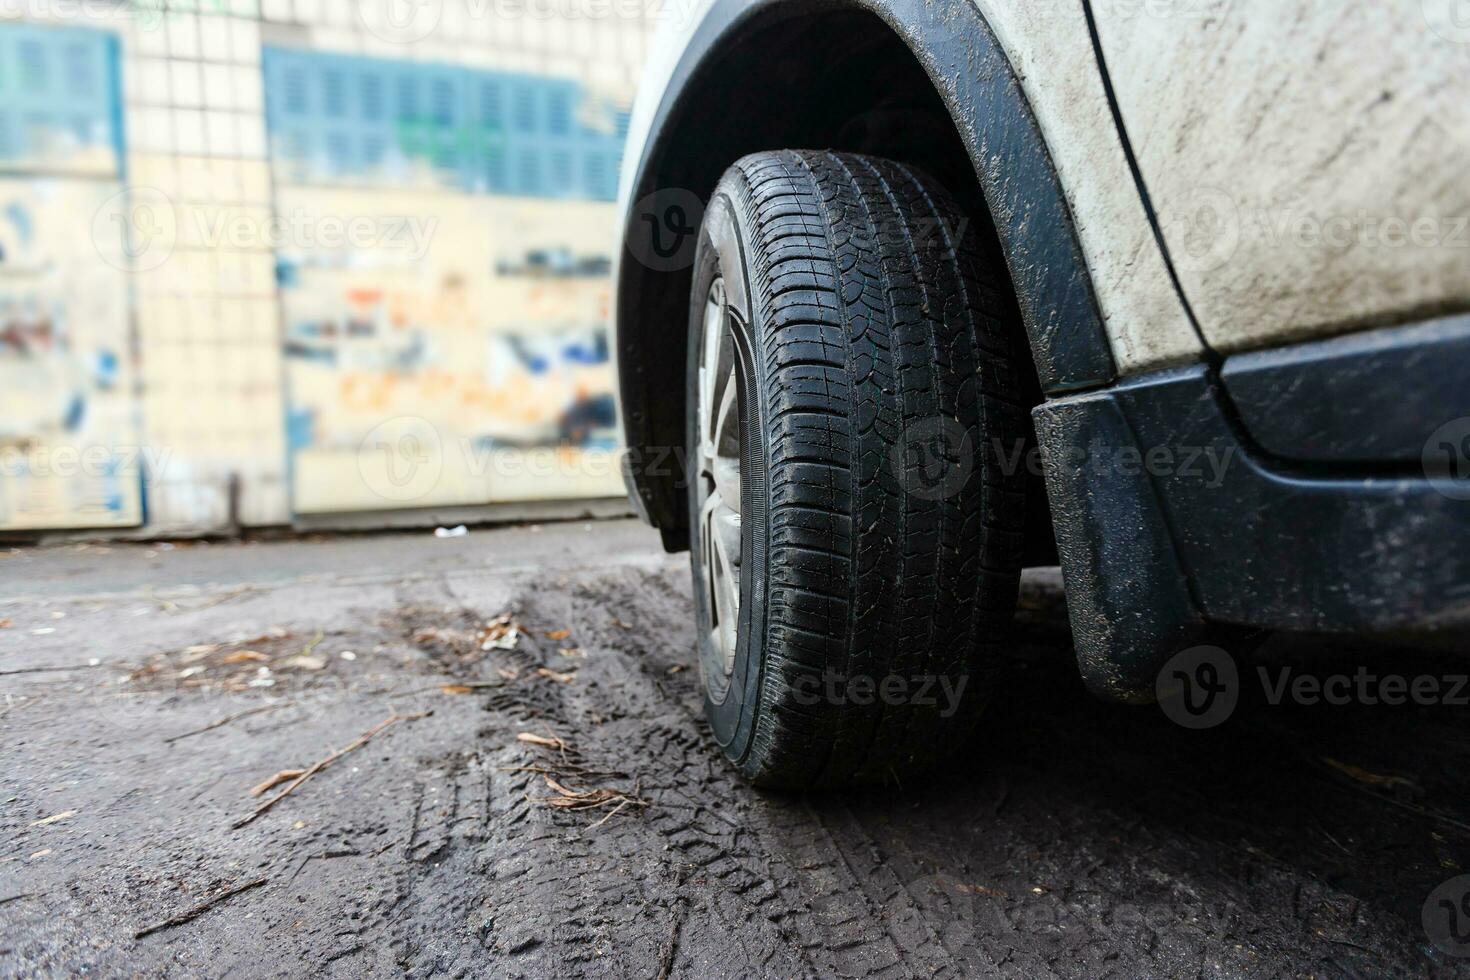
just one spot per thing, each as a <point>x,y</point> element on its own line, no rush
<point>223,722</point>
<point>451,687</point>
<point>610,814</point>
<point>285,775</point>
<point>324,856</point>
<point>47,670</point>
<point>199,909</point>
<point>362,740</point>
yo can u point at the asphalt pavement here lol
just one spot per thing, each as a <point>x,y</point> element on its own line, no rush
<point>485,756</point>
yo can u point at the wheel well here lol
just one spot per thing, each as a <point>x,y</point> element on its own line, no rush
<point>823,78</point>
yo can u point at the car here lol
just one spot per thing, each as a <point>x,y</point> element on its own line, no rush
<point>914,294</point>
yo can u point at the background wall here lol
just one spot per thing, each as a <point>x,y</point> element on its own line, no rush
<point>265,260</point>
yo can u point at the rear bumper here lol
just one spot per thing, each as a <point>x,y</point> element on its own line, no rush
<point>1323,487</point>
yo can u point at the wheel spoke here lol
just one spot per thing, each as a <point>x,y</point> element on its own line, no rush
<point>727,416</point>
<point>714,344</point>
<point>726,532</point>
<point>718,473</point>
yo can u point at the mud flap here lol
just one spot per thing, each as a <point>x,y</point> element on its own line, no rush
<point>1127,595</point>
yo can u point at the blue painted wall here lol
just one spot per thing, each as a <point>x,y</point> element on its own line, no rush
<point>341,119</point>
<point>58,93</point>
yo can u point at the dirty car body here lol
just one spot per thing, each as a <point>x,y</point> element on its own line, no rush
<point>1235,232</point>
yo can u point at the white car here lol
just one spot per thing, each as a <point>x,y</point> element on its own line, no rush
<point>916,293</point>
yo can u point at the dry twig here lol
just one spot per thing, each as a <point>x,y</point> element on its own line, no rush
<point>47,670</point>
<point>223,722</point>
<point>534,739</point>
<point>362,740</point>
<point>284,775</point>
<point>199,909</point>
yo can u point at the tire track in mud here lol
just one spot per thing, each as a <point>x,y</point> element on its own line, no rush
<point>1034,867</point>
<point>1033,859</point>
<point>711,879</point>
<point>1072,838</point>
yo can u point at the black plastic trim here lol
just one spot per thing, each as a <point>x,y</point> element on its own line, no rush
<point>1214,533</point>
<point>1370,399</point>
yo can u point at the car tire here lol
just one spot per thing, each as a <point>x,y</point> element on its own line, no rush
<point>856,534</point>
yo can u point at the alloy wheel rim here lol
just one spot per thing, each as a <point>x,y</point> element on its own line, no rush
<point>719,514</point>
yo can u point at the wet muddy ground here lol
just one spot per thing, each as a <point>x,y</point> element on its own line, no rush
<point>552,805</point>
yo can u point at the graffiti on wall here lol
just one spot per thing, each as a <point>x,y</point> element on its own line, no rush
<point>69,452</point>
<point>505,378</point>
<point>68,425</point>
<point>450,347</point>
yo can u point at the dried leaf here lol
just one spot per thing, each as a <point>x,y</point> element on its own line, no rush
<point>560,788</point>
<point>576,653</point>
<point>457,689</point>
<point>54,819</point>
<point>244,657</point>
<point>552,675</point>
<point>591,799</point>
<point>1366,777</point>
<point>508,674</point>
<point>5,624</point>
<point>303,661</point>
<point>534,739</point>
<point>559,635</point>
<point>506,641</point>
<point>677,669</point>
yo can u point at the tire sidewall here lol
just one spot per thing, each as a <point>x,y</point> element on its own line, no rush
<point>722,253</point>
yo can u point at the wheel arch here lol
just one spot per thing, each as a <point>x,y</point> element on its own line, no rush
<point>926,83</point>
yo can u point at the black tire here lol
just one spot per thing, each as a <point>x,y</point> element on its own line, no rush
<point>875,585</point>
